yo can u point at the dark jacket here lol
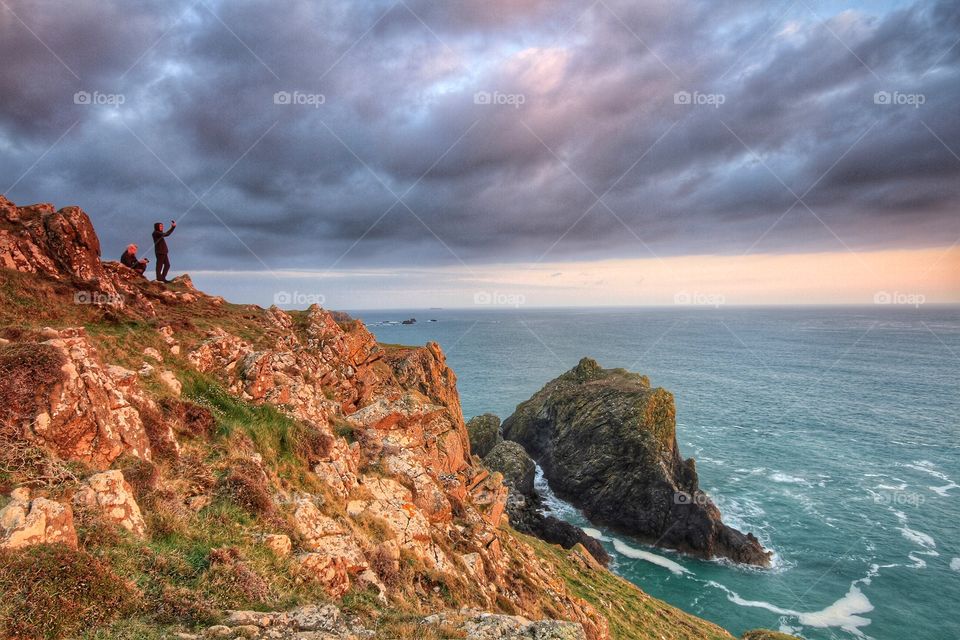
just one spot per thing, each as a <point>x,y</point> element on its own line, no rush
<point>159,244</point>
<point>129,260</point>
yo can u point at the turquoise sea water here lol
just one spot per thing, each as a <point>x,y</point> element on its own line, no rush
<point>833,434</point>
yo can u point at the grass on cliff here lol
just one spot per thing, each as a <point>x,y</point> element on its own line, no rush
<point>288,446</point>
<point>631,613</point>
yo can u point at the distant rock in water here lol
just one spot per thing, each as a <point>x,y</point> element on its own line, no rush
<point>410,321</point>
<point>607,443</point>
<point>484,433</point>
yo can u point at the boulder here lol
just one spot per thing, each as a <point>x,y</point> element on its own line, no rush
<point>607,443</point>
<point>279,544</point>
<point>494,626</point>
<point>484,433</point>
<point>25,522</point>
<point>111,495</point>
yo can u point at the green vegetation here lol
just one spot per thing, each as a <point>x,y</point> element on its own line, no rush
<point>631,613</point>
<point>289,447</point>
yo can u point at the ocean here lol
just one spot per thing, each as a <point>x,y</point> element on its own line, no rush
<point>831,433</point>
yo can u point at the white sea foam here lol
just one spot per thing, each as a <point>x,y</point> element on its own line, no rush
<point>918,563</point>
<point>943,490</point>
<point>639,554</point>
<point>594,533</point>
<point>955,564</point>
<point>927,467</point>
<point>786,478</point>
<point>843,613</point>
<point>918,537</point>
<point>889,487</point>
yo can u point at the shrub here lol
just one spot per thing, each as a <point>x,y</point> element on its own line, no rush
<point>28,373</point>
<point>143,477</point>
<point>158,431</point>
<point>247,485</point>
<point>311,444</point>
<point>179,605</point>
<point>190,419</point>
<point>52,591</point>
<point>232,581</point>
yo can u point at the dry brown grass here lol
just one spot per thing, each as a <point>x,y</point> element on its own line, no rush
<point>233,581</point>
<point>248,486</point>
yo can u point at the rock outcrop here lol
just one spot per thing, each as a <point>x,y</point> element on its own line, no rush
<point>518,469</point>
<point>110,495</point>
<point>484,433</point>
<point>80,409</point>
<point>607,443</point>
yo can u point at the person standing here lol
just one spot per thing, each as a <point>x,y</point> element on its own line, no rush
<point>160,249</point>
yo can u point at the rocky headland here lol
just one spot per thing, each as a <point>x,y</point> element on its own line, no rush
<point>175,466</point>
<point>606,441</point>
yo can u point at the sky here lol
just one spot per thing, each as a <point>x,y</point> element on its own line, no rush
<point>415,153</point>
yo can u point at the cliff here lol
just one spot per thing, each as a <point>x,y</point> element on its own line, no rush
<point>173,463</point>
<point>607,442</point>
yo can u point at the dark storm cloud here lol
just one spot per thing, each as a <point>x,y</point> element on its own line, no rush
<point>587,111</point>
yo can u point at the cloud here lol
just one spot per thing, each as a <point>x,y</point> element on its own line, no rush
<point>493,132</point>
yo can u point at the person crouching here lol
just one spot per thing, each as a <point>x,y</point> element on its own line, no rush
<point>129,259</point>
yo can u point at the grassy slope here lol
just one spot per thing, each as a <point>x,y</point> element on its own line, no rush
<point>632,614</point>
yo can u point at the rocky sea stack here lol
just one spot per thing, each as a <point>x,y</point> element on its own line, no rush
<point>607,443</point>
